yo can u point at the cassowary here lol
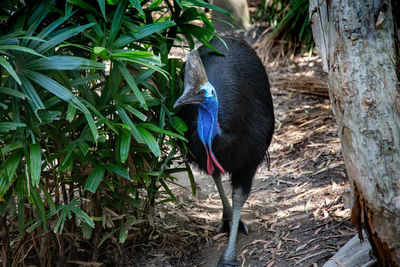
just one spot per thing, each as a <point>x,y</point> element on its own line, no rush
<point>227,106</point>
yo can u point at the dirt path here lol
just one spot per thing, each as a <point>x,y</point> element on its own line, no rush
<point>295,212</point>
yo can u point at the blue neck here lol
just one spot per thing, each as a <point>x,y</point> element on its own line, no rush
<point>207,123</point>
<point>208,128</point>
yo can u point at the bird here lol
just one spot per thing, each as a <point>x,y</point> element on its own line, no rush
<point>227,106</point>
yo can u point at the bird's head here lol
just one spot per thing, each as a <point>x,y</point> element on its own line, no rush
<point>197,89</point>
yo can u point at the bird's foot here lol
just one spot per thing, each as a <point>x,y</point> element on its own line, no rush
<point>227,263</point>
<point>225,227</point>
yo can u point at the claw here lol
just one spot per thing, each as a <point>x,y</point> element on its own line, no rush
<point>225,226</point>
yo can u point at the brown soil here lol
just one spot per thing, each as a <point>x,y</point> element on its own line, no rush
<point>295,212</point>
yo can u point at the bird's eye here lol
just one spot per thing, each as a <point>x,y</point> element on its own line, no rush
<point>201,93</point>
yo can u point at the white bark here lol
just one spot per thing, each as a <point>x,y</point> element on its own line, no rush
<point>354,253</point>
<point>356,42</point>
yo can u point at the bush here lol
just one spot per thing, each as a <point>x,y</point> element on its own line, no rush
<point>290,23</point>
<point>87,131</point>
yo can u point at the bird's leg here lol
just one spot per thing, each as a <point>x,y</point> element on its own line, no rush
<point>229,256</point>
<point>226,220</point>
<point>227,209</point>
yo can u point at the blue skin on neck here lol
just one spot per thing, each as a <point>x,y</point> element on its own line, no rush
<point>207,124</point>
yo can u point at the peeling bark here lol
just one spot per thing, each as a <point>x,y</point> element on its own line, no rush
<point>357,43</point>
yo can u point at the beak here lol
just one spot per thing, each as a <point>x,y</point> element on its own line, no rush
<point>186,99</point>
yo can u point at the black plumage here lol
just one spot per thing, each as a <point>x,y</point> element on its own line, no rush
<point>245,110</point>
<point>246,120</point>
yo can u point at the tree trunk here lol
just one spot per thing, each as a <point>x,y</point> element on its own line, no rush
<point>357,43</point>
<point>239,10</point>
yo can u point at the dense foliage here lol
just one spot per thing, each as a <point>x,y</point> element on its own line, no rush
<point>87,131</point>
<point>290,22</point>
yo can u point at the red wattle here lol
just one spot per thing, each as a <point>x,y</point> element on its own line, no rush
<point>214,159</point>
<point>210,166</point>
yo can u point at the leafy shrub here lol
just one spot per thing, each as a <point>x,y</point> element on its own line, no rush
<point>290,22</point>
<point>87,131</point>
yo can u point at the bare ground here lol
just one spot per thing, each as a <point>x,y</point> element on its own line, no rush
<point>295,213</point>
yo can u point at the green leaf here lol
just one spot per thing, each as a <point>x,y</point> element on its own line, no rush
<point>162,182</point>
<point>11,92</point>
<point>50,85</point>
<point>84,147</point>
<point>130,53</point>
<point>131,82</point>
<point>94,179</point>
<point>101,51</point>
<point>33,98</point>
<point>191,178</point>
<point>124,146</point>
<point>71,110</point>
<point>64,63</point>
<point>201,34</point>
<point>117,22</point>
<point>8,170</point>
<point>137,5</point>
<point>64,94</point>
<point>150,141</point>
<point>85,79</point>
<point>178,2</point>
<point>38,15</point>
<point>118,170</point>
<point>21,48</point>
<point>157,129</point>
<point>98,49</point>
<point>123,234</point>
<point>83,5</point>
<point>62,36</point>
<point>39,205</point>
<point>149,29</point>
<point>35,163</point>
<point>180,125</point>
<point>5,201</point>
<point>49,199</point>
<point>9,69</point>
<point>200,3</point>
<point>5,127</point>
<point>61,220</point>
<point>102,5</point>
<point>50,115</point>
<point>141,32</point>
<point>134,111</point>
<point>11,147</point>
<point>132,128</point>
<point>188,15</point>
<point>81,214</point>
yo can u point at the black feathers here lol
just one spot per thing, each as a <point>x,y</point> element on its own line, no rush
<point>245,110</point>
<point>246,122</point>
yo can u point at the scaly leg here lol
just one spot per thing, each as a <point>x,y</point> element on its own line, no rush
<point>225,224</point>
<point>229,256</point>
